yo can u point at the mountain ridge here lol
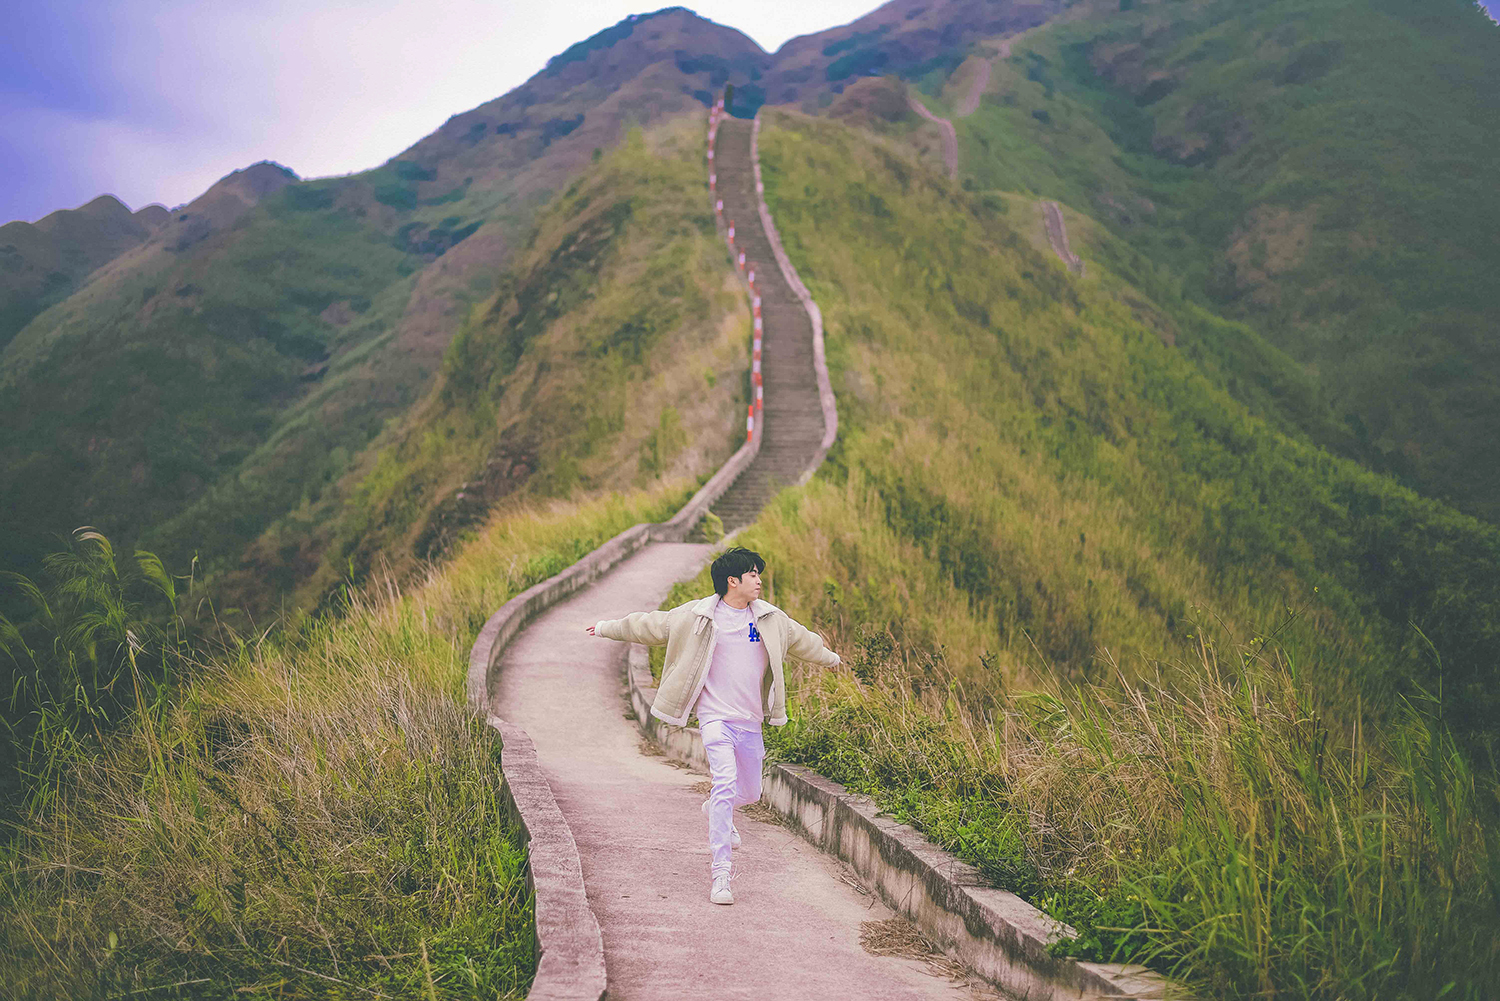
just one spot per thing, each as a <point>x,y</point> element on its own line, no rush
<point>336,298</point>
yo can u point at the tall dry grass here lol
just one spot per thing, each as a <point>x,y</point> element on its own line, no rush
<point>1141,656</point>
<point>1221,828</point>
<point>310,814</point>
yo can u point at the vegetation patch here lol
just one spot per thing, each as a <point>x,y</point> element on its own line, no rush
<point>1106,631</point>
<point>1195,129</point>
<point>567,366</point>
<point>312,812</point>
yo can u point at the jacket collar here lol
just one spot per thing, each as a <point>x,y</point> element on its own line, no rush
<point>705,607</point>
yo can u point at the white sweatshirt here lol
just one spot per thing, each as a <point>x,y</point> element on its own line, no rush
<point>732,691</point>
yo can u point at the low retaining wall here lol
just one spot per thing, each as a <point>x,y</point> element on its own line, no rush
<point>993,932</point>
<point>570,948</point>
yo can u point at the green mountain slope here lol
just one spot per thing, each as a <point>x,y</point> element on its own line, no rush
<point>613,357</point>
<point>1319,170</point>
<point>44,262</point>
<point>1078,480</point>
<point>210,382</point>
<point>1103,622</point>
<point>243,357</point>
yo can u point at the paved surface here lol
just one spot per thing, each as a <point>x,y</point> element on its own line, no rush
<point>967,105</point>
<point>794,929</point>
<point>793,411</point>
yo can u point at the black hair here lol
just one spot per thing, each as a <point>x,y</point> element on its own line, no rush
<point>735,562</point>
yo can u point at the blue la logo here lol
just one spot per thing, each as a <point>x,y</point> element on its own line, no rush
<point>754,634</point>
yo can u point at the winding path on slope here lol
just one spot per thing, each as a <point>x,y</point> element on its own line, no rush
<point>967,105</point>
<point>950,137</point>
<point>794,931</point>
<point>1057,235</point>
<point>1057,229</point>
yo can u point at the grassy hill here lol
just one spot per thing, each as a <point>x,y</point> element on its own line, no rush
<point>1315,169</point>
<point>208,383</point>
<point>1111,634</point>
<point>613,367</point>
<point>613,356</point>
<point>1127,623</point>
<point>205,388</point>
<point>44,262</point>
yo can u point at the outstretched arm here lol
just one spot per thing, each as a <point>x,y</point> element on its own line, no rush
<point>649,628</point>
<point>807,645</point>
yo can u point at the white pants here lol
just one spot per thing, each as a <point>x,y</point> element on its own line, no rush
<point>735,755</point>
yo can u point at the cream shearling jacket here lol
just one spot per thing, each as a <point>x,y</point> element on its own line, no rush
<point>690,637</point>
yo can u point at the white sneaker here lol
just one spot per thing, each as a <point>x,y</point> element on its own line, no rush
<point>734,832</point>
<point>720,894</point>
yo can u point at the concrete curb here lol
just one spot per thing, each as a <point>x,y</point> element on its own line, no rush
<point>993,932</point>
<point>569,945</point>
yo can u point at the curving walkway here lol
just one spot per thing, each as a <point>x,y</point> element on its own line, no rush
<point>967,105</point>
<point>950,138</point>
<point>794,930</point>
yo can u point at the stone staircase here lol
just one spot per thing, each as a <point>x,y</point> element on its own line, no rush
<point>793,415</point>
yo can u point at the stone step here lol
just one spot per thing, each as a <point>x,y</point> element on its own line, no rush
<point>793,429</point>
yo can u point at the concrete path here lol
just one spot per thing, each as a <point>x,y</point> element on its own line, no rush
<point>978,85</point>
<point>794,929</point>
<point>793,412</point>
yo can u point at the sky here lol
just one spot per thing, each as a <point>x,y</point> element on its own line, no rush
<point>155,100</point>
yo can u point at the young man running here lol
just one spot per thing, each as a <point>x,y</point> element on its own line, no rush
<point>724,655</point>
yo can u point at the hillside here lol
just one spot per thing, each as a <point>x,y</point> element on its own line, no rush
<point>1317,170</point>
<point>224,386</point>
<point>243,357</point>
<point>1151,598</point>
<point>1080,585</point>
<point>613,357</point>
<point>1077,478</point>
<point>43,263</point>
<point>211,381</point>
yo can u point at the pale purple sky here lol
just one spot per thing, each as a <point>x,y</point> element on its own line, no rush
<point>154,100</point>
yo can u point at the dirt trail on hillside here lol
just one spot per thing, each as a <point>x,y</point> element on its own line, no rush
<point>1057,235</point>
<point>970,102</point>
<point>967,105</point>
<point>1057,227</point>
<point>950,138</point>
